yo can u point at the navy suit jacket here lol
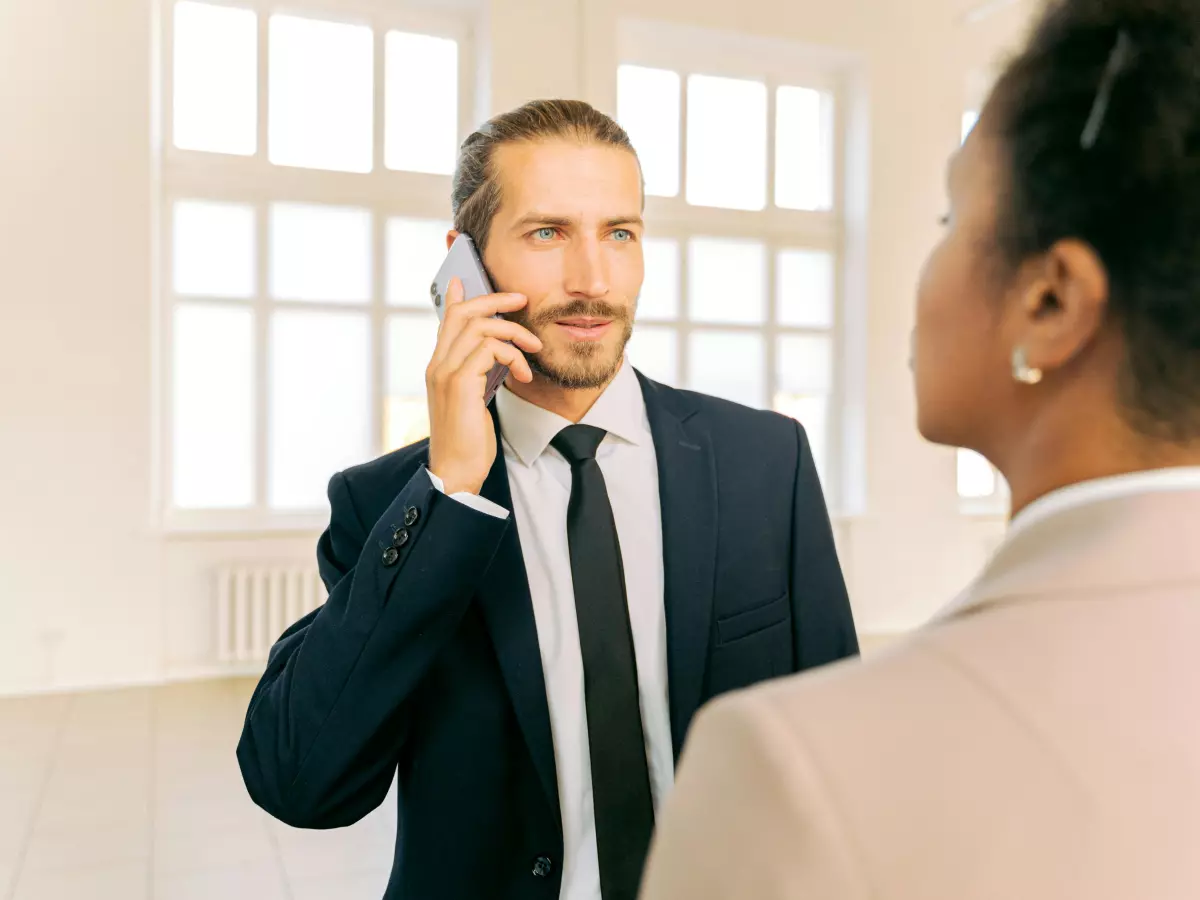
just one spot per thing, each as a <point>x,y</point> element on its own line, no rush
<point>425,662</point>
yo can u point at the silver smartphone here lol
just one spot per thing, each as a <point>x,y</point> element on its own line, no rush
<point>463,263</point>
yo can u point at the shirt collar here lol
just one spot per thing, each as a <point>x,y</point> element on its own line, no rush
<point>620,411</point>
<point>1182,478</point>
<point>1061,502</point>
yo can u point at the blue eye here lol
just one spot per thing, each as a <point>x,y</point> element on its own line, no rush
<point>623,234</point>
<point>544,234</point>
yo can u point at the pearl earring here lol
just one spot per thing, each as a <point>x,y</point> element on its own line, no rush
<point>1022,371</point>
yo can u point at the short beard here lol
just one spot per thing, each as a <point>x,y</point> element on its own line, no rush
<point>586,369</point>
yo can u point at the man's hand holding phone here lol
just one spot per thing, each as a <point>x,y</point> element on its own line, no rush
<point>462,439</point>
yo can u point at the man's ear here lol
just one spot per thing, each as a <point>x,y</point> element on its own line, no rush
<point>451,237</point>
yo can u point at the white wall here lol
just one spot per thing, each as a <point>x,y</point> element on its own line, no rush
<point>92,593</point>
<point>80,570</point>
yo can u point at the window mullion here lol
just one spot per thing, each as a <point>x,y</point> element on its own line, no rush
<point>262,310</point>
<point>377,336</point>
<point>770,321</point>
<point>262,358</point>
<point>683,329</point>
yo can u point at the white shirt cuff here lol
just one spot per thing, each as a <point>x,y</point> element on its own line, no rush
<point>477,503</point>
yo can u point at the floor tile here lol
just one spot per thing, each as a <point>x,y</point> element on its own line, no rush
<point>128,794</point>
<point>260,881</point>
<point>41,709</point>
<point>365,886</point>
<point>113,882</point>
<point>83,848</point>
<point>14,833</point>
<point>181,854</point>
<point>217,814</point>
<point>359,848</point>
<point>96,810</point>
<point>200,787</point>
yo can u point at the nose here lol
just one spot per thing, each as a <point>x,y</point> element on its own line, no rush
<point>586,271</point>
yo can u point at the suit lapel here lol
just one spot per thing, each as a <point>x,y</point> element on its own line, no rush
<point>687,480</point>
<point>508,613</point>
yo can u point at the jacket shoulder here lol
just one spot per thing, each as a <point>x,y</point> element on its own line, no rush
<point>725,416</point>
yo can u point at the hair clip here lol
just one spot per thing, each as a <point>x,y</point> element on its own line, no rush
<point>1116,63</point>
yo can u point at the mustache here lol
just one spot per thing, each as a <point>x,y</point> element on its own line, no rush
<point>595,309</point>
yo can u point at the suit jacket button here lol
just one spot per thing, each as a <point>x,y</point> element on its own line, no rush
<point>411,515</point>
<point>400,537</point>
<point>542,866</point>
<point>390,556</point>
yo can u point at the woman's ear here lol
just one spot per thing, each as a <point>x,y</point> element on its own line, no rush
<point>1064,305</point>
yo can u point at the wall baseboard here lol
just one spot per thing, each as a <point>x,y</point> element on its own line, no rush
<point>176,676</point>
<point>869,644</point>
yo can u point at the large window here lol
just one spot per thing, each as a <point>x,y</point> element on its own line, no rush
<point>740,145</point>
<point>306,159</point>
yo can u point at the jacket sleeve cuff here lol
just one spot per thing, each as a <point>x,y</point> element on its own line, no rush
<point>474,501</point>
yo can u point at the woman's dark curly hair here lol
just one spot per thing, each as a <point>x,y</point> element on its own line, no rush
<point>1098,122</point>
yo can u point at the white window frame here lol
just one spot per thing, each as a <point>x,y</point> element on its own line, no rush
<point>689,50</point>
<point>255,181</point>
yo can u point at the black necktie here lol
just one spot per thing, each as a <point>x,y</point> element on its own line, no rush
<point>620,778</point>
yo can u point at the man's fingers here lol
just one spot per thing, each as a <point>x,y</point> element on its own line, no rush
<point>459,313</point>
<point>479,330</point>
<point>493,351</point>
<point>454,292</point>
<point>486,306</point>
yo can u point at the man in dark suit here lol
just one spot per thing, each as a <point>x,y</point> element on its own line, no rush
<point>527,610</point>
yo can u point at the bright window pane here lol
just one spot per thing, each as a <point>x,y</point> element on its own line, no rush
<point>726,143</point>
<point>320,253</point>
<point>976,477</point>
<point>655,353</point>
<point>213,406</point>
<point>421,98</point>
<point>805,364</point>
<point>319,403</point>
<point>405,421</point>
<point>215,106</point>
<point>213,249</point>
<point>321,100</point>
<point>803,149</point>
<point>969,118</point>
<point>727,281</point>
<point>727,364</point>
<point>415,250</point>
<point>410,343</point>
<point>805,288</point>
<point>813,414</point>
<point>648,110</point>
<point>659,298</point>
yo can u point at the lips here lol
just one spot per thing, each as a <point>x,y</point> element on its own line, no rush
<point>584,328</point>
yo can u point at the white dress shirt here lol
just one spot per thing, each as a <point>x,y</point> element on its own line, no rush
<point>540,480</point>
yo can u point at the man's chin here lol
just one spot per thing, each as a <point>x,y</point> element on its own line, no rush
<point>578,368</point>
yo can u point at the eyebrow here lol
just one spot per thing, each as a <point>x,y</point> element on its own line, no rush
<point>536,218</point>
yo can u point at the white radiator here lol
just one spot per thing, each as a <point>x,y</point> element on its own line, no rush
<point>255,604</point>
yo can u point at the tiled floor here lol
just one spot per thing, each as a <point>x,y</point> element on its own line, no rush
<point>136,795</point>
